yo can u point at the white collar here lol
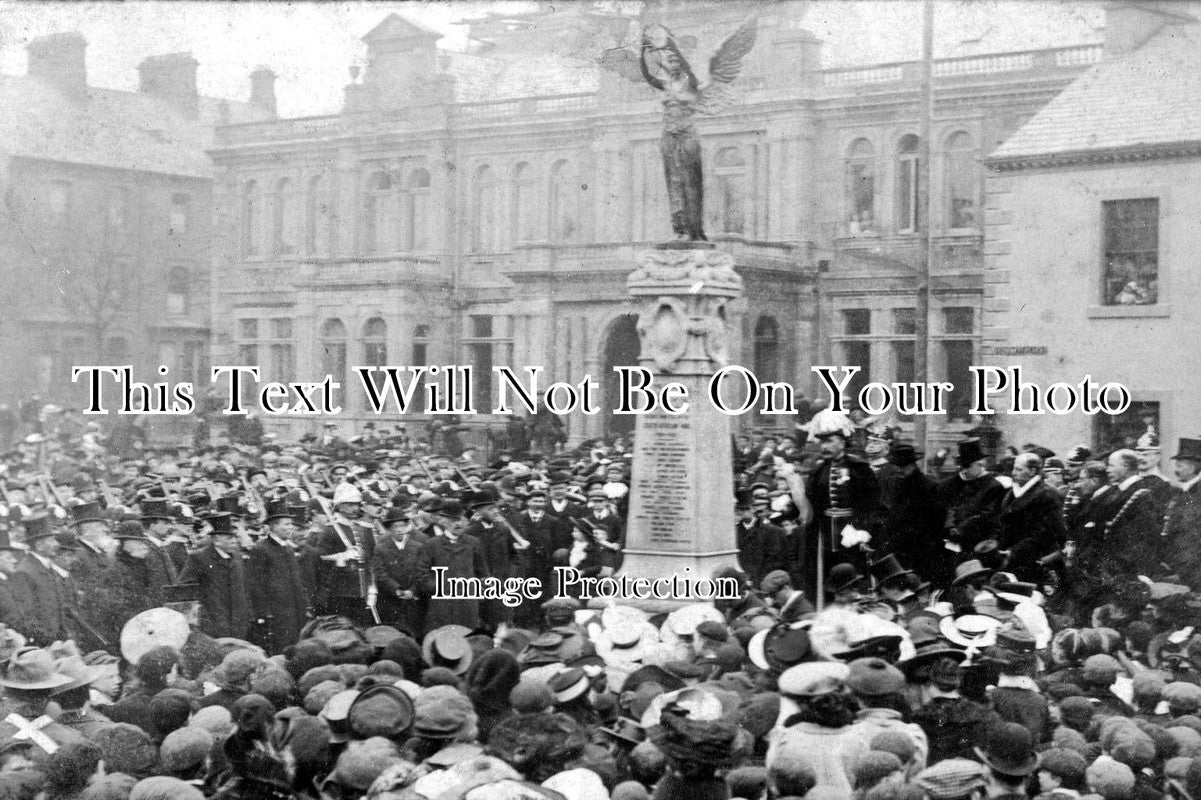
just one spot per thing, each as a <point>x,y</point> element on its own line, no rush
<point>1191,482</point>
<point>1018,491</point>
<point>536,516</point>
<point>221,553</point>
<point>1102,489</point>
<point>1017,682</point>
<point>279,541</point>
<point>50,565</point>
<point>1128,482</point>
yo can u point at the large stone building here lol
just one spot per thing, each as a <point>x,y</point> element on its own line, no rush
<point>484,207</point>
<point>1093,224</point>
<point>107,219</point>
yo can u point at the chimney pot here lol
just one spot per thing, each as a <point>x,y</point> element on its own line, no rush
<point>171,76</point>
<point>262,89</point>
<point>59,59</point>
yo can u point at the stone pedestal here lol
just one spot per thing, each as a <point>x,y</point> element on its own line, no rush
<point>681,495</point>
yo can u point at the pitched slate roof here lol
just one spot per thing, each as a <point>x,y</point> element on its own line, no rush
<point>110,128</point>
<point>1148,98</point>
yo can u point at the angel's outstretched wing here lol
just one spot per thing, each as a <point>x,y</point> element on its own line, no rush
<point>726,64</point>
<point>623,61</point>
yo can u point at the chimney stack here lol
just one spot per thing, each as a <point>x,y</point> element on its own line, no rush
<point>1129,24</point>
<point>262,89</point>
<point>173,78</point>
<point>58,58</point>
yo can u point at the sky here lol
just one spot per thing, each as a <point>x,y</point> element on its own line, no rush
<point>311,45</point>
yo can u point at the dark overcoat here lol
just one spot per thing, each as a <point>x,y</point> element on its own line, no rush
<point>462,559</point>
<point>224,598</point>
<point>277,595</point>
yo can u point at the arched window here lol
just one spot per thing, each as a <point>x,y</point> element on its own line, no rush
<point>177,291</point>
<point>729,171</point>
<point>564,203</point>
<point>907,183</point>
<point>251,218</point>
<point>961,181</point>
<point>180,220</point>
<point>414,212</point>
<point>861,187</point>
<point>333,350</point>
<point>525,190</point>
<point>375,347</point>
<point>375,213</point>
<point>767,349</point>
<point>317,217</point>
<point>421,345</point>
<point>483,211</point>
<point>284,221</point>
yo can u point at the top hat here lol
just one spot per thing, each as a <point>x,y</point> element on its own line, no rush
<point>221,522</point>
<point>448,646</point>
<point>970,452</point>
<point>132,530</point>
<point>886,569</point>
<point>448,508</point>
<point>902,454</point>
<point>279,509</point>
<point>1188,448</point>
<point>37,526</point>
<point>87,512</point>
<point>154,508</point>
<point>486,496</point>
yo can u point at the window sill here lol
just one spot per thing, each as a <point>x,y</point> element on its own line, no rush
<point>1157,311</point>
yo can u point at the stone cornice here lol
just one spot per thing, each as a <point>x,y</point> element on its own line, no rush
<point>1109,155</point>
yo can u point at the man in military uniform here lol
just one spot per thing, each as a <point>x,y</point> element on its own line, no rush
<point>344,549</point>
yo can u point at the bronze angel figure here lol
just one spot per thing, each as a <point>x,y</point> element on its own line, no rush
<point>664,67</point>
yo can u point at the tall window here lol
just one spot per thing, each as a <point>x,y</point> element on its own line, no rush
<point>961,180</point>
<point>856,349</point>
<point>483,211</point>
<point>480,347</point>
<point>729,171</point>
<point>1138,425</point>
<point>283,351</point>
<point>58,202</point>
<point>564,203</point>
<point>177,291</point>
<point>248,353</point>
<point>181,214</point>
<point>333,350</point>
<point>904,325</point>
<point>907,180</point>
<point>375,347</point>
<point>317,217</point>
<point>252,213</point>
<point>861,188</point>
<point>284,221</point>
<point>421,345</point>
<point>414,212</point>
<point>1131,258</point>
<point>117,218</point>
<point>375,213</point>
<point>959,350</point>
<point>523,212</point>
<point>767,349</point>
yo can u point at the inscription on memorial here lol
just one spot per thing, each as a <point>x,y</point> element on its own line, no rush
<point>664,483</point>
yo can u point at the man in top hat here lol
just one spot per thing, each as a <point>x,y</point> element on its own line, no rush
<point>503,548</point>
<point>218,569</point>
<point>395,568</point>
<point>156,516</point>
<point>46,589</point>
<point>95,544</point>
<point>1182,521</point>
<point>344,550</point>
<point>279,597</point>
<point>455,556</point>
<point>842,491</point>
<point>972,497</point>
<point>915,516</point>
<point>134,582</point>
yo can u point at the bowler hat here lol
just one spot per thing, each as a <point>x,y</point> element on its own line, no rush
<point>843,577</point>
<point>902,454</point>
<point>970,452</point>
<point>395,514</point>
<point>886,569</point>
<point>1189,449</point>
<point>1008,750</point>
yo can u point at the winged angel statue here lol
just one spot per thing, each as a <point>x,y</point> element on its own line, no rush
<point>664,67</point>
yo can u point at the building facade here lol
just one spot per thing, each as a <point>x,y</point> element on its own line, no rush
<point>1092,217</point>
<point>484,207</point>
<point>104,239</point>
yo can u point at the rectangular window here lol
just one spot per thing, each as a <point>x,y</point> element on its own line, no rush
<point>420,355</point>
<point>902,358</point>
<point>857,321</point>
<point>248,356</point>
<point>248,328</point>
<point>1131,252</point>
<point>1124,431</point>
<point>180,215</point>
<point>481,375</point>
<point>283,362</point>
<point>959,320</point>
<point>907,194</point>
<point>281,328</point>
<point>904,321</point>
<point>959,355</point>
<point>481,327</point>
<point>857,354</point>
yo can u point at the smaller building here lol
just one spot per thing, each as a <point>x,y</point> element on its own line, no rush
<point>1093,222</point>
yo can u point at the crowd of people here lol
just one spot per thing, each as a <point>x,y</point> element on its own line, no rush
<point>251,618</point>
